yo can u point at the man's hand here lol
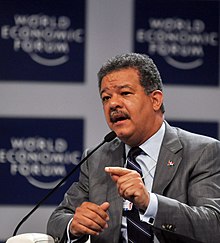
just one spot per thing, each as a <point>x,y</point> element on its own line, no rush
<point>130,186</point>
<point>89,219</point>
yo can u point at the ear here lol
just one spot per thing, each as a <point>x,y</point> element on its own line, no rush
<point>157,99</point>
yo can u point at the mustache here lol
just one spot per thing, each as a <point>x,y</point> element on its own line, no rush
<point>117,115</point>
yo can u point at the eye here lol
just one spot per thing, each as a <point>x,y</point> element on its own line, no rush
<point>105,98</point>
<point>125,93</point>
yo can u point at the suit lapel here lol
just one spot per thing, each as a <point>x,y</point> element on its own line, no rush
<point>115,158</point>
<point>169,159</point>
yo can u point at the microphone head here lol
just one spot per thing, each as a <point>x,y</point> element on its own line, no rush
<point>110,136</point>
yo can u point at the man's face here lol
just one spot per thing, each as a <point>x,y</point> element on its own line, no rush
<point>129,111</point>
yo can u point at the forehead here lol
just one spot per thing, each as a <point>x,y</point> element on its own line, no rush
<point>127,75</point>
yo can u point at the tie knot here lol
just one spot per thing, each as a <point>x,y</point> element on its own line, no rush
<point>134,152</point>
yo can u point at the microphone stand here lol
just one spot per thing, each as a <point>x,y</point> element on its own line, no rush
<point>109,137</point>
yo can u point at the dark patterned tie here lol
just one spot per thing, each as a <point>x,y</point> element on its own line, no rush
<point>138,232</point>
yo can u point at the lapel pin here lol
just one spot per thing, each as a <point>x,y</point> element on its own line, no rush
<point>170,163</point>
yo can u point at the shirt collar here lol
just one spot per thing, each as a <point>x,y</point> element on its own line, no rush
<point>152,145</point>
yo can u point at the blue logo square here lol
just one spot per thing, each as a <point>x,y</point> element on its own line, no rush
<point>35,154</point>
<point>182,37</point>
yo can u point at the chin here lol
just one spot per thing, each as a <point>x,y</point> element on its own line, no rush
<point>128,138</point>
<point>123,136</point>
<point>122,130</point>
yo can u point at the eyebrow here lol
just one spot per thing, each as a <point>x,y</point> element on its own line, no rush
<point>118,87</point>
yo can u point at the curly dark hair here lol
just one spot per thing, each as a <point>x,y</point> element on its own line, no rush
<point>150,77</point>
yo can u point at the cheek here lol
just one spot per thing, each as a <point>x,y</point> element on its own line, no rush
<point>144,112</point>
<point>106,111</point>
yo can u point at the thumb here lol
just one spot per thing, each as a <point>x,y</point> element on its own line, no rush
<point>104,206</point>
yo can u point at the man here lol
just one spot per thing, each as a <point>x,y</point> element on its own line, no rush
<point>176,193</point>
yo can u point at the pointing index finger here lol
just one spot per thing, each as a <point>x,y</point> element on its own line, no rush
<point>118,171</point>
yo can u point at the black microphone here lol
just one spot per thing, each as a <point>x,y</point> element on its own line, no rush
<point>108,138</point>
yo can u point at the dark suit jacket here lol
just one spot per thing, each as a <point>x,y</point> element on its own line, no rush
<point>186,182</point>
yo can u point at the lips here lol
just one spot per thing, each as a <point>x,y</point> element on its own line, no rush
<point>116,116</point>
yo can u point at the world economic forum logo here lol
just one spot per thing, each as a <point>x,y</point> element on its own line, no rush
<point>42,161</point>
<point>46,39</point>
<point>181,42</point>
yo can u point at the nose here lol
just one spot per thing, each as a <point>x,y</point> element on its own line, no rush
<point>115,102</point>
